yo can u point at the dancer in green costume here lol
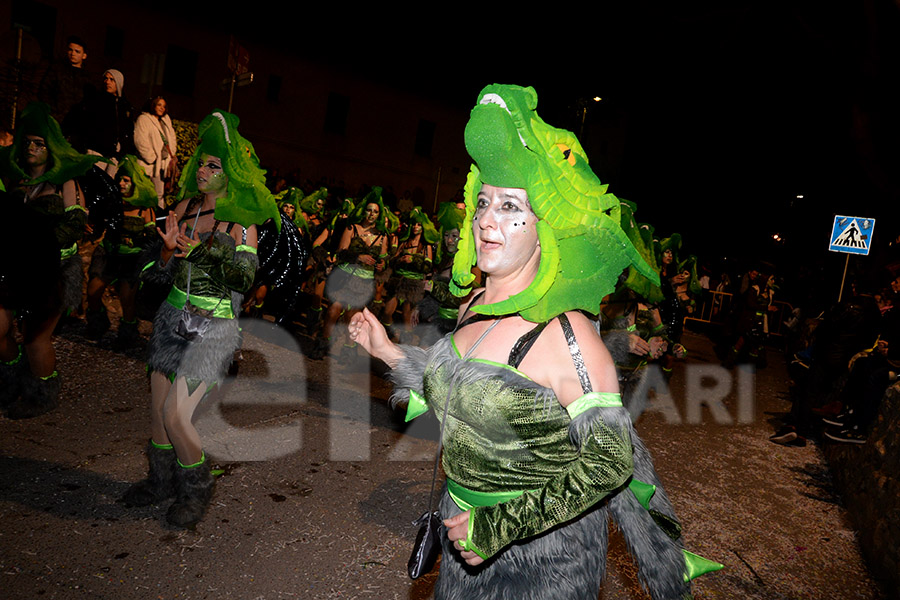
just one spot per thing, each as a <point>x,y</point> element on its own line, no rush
<point>39,170</point>
<point>208,257</point>
<point>117,258</point>
<point>537,446</point>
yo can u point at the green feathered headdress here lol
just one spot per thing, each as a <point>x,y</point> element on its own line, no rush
<point>65,162</point>
<point>583,248</point>
<point>292,196</point>
<point>248,201</point>
<point>385,223</point>
<point>429,233</point>
<point>143,192</point>
<point>673,243</point>
<point>347,208</point>
<point>690,265</point>
<point>449,217</point>
<point>308,205</point>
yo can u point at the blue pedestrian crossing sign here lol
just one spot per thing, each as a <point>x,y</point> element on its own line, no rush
<point>852,235</point>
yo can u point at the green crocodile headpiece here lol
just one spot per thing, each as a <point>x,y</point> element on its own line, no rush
<point>143,192</point>
<point>65,162</point>
<point>583,248</point>
<point>248,201</point>
<point>417,215</point>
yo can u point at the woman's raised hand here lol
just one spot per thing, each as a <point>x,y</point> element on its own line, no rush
<point>170,235</point>
<point>367,331</point>
<point>185,243</point>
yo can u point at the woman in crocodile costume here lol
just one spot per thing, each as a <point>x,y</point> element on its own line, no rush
<point>537,446</point>
<point>39,170</point>
<point>208,255</point>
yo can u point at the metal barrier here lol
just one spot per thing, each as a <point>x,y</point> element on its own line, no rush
<point>715,308</point>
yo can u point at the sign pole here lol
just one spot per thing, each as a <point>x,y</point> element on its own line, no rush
<point>843,278</point>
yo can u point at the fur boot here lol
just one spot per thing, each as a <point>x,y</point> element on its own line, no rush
<point>127,335</point>
<point>193,488</point>
<point>12,376</point>
<point>160,481</point>
<point>39,395</point>
<point>97,324</point>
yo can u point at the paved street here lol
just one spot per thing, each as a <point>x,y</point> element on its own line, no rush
<point>320,480</point>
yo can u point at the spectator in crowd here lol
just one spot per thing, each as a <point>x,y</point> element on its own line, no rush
<point>103,124</point>
<point>154,140</point>
<point>66,82</point>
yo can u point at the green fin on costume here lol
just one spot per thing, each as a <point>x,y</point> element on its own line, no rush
<point>66,163</point>
<point>697,565</point>
<point>583,247</point>
<point>143,192</point>
<point>416,407</point>
<point>248,201</point>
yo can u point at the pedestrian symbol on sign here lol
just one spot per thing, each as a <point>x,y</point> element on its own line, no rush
<point>852,235</point>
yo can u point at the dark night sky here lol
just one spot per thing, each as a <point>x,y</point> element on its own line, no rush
<point>732,109</point>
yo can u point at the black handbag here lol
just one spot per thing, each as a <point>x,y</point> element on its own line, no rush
<point>427,546</point>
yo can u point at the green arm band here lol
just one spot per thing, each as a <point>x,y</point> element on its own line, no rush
<point>603,465</point>
<point>235,273</point>
<point>592,399</point>
<point>416,407</point>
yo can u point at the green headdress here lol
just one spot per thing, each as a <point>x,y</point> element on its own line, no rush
<point>385,224</point>
<point>690,265</point>
<point>143,192</point>
<point>292,196</point>
<point>583,248</point>
<point>347,208</point>
<point>429,233</point>
<point>448,217</point>
<point>65,162</point>
<point>248,201</point>
<point>673,243</point>
<point>643,243</point>
<point>308,205</point>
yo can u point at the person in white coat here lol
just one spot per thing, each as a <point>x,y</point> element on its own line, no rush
<point>154,139</point>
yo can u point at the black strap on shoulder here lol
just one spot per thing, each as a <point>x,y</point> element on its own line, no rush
<point>575,351</point>
<point>523,345</point>
<point>474,317</point>
<point>194,215</point>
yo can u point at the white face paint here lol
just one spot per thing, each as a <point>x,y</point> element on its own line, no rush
<point>505,232</point>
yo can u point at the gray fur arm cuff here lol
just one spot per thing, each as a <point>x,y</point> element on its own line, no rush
<point>408,375</point>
